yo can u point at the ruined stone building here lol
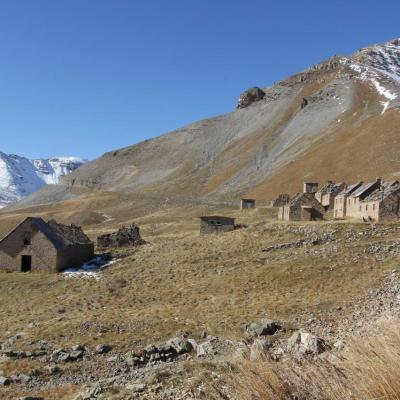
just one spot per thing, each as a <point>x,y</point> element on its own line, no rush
<point>377,201</point>
<point>36,245</point>
<point>339,209</point>
<point>124,237</point>
<point>216,224</point>
<point>302,207</point>
<point>247,203</point>
<point>327,194</point>
<point>281,200</point>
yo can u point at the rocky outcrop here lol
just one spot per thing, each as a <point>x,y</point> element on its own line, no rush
<point>250,96</point>
<point>124,237</point>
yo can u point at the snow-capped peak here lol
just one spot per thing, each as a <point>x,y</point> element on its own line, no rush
<point>20,176</point>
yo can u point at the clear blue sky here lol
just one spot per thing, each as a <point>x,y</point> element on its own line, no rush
<point>81,77</point>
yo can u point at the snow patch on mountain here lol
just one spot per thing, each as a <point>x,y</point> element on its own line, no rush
<point>20,176</point>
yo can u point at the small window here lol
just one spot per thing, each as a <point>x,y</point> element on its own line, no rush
<point>218,223</point>
<point>366,207</point>
<point>360,208</point>
<point>27,239</point>
<point>373,206</point>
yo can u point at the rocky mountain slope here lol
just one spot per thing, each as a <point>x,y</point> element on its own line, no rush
<point>19,176</point>
<point>336,120</point>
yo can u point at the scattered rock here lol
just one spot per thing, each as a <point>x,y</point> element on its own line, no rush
<point>103,348</point>
<point>4,381</point>
<point>262,328</point>
<point>258,349</point>
<point>301,343</point>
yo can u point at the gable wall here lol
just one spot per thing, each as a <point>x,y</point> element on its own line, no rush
<point>42,251</point>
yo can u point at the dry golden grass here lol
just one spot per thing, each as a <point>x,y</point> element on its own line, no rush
<point>369,369</point>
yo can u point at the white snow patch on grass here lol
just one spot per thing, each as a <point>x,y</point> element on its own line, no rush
<point>91,269</point>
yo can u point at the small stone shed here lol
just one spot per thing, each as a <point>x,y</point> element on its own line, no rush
<point>247,203</point>
<point>310,187</point>
<point>36,245</point>
<point>216,224</point>
<point>302,207</point>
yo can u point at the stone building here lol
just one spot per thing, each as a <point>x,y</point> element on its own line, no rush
<point>302,207</point>
<point>281,200</point>
<point>353,206</point>
<point>36,245</point>
<point>339,209</point>
<point>310,187</point>
<point>247,203</point>
<point>327,194</point>
<point>382,204</point>
<point>216,224</point>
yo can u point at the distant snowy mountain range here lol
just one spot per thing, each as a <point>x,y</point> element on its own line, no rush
<point>20,176</point>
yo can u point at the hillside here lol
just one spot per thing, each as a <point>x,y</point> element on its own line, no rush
<point>20,176</point>
<point>343,112</point>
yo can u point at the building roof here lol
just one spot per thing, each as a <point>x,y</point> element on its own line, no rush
<point>60,235</point>
<point>363,189</point>
<point>386,189</point>
<point>350,189</point>
<point>331,187</point>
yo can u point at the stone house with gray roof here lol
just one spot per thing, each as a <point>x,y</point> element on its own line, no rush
<point>302,207</point>
<point>36,245</point>
<point>340,202</point>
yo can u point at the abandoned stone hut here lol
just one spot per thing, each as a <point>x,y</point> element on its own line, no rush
<point>247,203</point>
<point>36,245</point>
<point>281,200</point>
<point>216,224</point>
<point>341,200</point>
<point>327,194</point>
<point>302,207</point>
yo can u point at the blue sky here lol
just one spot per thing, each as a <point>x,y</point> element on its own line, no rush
<point>82,77</point>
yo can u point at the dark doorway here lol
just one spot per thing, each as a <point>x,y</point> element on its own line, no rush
<point>26,263</point>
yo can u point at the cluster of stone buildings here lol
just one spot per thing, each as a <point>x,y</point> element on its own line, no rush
<point>377,201</point>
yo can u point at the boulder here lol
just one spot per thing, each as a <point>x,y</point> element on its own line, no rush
<point>301,343</point>
<point>262,328</point>
<point>250,96</point>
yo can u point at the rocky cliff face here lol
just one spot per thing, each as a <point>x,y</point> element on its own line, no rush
<point>336,120</point>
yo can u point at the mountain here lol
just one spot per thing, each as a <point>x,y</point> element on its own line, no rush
<point>338,120</point>
<point>19,176</point>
